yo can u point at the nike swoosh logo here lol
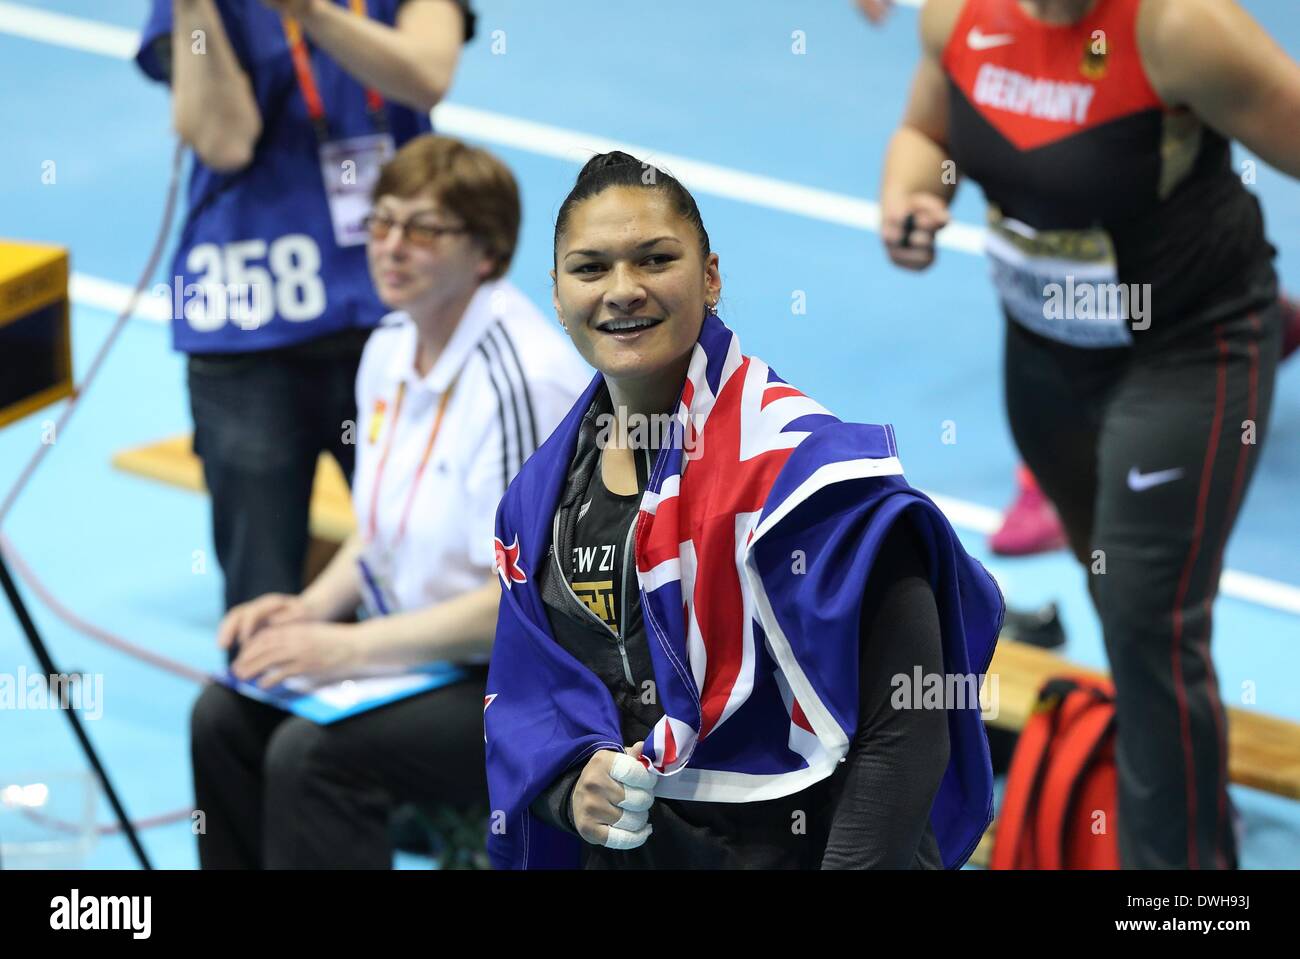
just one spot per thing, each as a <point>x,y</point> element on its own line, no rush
<point>1138,482</point>
<point>987,41</point>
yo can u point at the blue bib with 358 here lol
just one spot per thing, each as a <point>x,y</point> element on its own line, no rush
<point>258,265</point>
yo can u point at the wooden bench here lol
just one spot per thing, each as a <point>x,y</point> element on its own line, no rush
<point>1264,751</point>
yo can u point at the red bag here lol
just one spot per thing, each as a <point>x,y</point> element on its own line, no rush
<point>1058,810</point>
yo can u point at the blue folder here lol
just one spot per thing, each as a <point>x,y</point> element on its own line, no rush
<point>331,702</point>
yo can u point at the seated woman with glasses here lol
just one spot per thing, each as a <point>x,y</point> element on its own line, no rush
<point>456,388</point>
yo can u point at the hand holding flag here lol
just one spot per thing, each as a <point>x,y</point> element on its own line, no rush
<point>612,799</point>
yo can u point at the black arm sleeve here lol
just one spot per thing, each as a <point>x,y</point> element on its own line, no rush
<point>898,756</point>
<point>553,806</point>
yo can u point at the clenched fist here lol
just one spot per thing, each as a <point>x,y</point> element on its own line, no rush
<point>612,799</point>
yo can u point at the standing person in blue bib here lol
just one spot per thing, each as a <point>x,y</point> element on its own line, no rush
<point>290,107</point>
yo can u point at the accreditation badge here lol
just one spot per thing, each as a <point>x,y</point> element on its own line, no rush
<point>350,169</point>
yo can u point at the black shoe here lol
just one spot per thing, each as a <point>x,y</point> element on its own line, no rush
<point>1041,627</point>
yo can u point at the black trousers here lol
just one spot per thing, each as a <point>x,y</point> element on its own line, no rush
<point>278,791</point>
<point>1147,454</point>
<point>260,421</point>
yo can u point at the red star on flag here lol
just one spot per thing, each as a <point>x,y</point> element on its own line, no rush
<point>507,563</point>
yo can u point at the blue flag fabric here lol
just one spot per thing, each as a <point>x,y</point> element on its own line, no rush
<point>755,539</point>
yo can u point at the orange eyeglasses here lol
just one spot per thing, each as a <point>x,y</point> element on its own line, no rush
<point>419,234</point>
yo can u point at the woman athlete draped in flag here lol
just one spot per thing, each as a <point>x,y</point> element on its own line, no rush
<point>731,635</point>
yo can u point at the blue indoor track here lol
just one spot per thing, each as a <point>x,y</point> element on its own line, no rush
<point>712,83</point>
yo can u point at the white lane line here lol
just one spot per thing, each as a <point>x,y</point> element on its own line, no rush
<point>969,516</point>
<point>112,298</point>
<point>1258,589</point>
<point>1244,586</point>
<point>88,35</point>
<point>75,33</point>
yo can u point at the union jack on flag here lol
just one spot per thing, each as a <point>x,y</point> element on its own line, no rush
<point>754,541</point>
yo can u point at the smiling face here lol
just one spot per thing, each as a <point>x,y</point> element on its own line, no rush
<point>419,275</point>
<point>631,286</point>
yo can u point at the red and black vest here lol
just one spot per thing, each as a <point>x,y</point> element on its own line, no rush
<point>1062,129</point>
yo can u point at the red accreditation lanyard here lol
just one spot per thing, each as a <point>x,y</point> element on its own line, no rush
<point>419,470</point>
<point>307,78</point>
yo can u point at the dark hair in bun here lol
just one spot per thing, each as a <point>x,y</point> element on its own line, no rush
<point>622,169</point>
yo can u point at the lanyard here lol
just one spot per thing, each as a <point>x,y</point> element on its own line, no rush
<point>419,471</point>
<point>307,78</point>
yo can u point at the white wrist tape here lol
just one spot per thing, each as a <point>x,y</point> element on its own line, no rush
<point>630,772</point>
<point>631,821</point>
<point>622,839</point>
<point>636,800</point>
<point>633,827</point>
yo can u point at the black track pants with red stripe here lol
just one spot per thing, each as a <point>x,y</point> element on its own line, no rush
<point>1147,453</point>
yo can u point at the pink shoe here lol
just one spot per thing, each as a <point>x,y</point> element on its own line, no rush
<point>1031,524</point>
<point>1290,325</point>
